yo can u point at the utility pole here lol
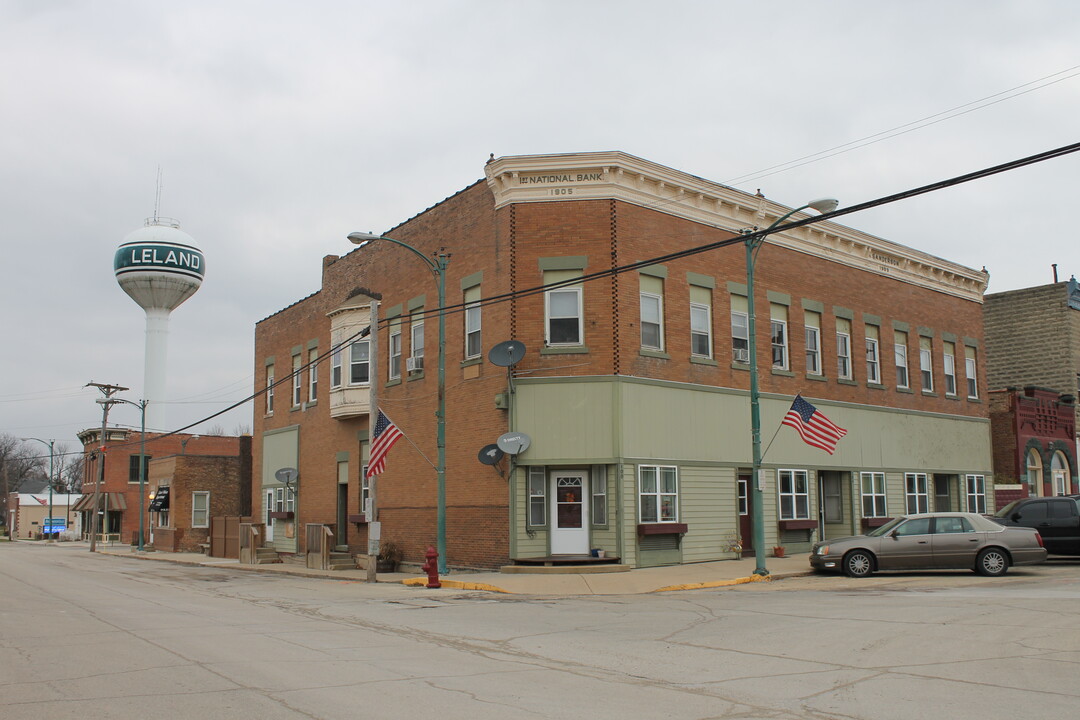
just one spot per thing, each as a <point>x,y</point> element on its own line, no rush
<point>374,529</point>
<point>108,391</point>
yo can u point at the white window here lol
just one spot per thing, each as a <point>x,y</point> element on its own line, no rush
<point>900,358</point>
<point>658,494</point>
<point>873,495</point>
<point>1034,473</point>
<point>290,500</point>
<point>365,486</point>
<point>843,348</point>
<point>976,493</point>
<point>472,323</point>
<point>563,309</point>
<point>778,319</point>
<point>794,487</point>
<point>652,321</point>
<point>537,496</point>
<point>873,358</point>
<point>949,360</point>
<point>812,326</point>
<point>969,372</point>
<point>926,364</point>
<point>599,501</point>
<point>394,354</point>
<point>700,321</point>
<point>297,380</point>
<point>740,330</point>
<point>313,374</point>
<point>417,344</point>
<point>270,389</point>
<point>916,493</point>
<point>200,509</point>
<point>1059,473</point>
<point>335,368</point>
<point>360,362</point>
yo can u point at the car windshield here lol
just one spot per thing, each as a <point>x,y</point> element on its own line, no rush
<point>1004,512</point>
<point>879,531</point>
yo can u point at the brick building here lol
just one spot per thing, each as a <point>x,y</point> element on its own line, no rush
<point>633,387</point>
<point>118,502</point>
<point>1033,342</point>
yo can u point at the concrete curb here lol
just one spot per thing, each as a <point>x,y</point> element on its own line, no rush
<point>457,585</point>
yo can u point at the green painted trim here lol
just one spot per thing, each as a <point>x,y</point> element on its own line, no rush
<point>361,436</point>
<point>270,361</point>
<point>570,350</point>
<point>876,386</point>
<point>906,391</point>
<point>924,331</point>
<point>296,350</point>
<point>740,366</point>
<point>313,344</point>
<point>645,352</point>
<point>694,360</point>
<point>415,302</point>
<point>871,319</point>
<point>392,383</point>
<point>567,262</point>
<point>415,376</point>
<point>948,337</point>
<point>736,288</point>
<point>659,271</point>
<point>845,381</point>
<point>471,361</point>
<point>901,326</point>
<point>971,342</point>
<point>782,373</point>
<point>843,312</point>
<point>342,456</point>
<point>392,312</point>
<point>778,297</point>
<point>813,305</point>
<point>472,280</point>
<point>707,281</point>
<point>929,393</point>
<point>818,378</point>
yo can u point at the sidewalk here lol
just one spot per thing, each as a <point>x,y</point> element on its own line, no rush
<point>636,581</point>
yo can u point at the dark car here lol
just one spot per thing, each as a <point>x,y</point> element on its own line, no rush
<point>952,540</point>
<point>1056,518</point>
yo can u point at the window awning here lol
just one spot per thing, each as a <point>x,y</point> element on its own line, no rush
<point>161,500</point>
<point>109,501</point>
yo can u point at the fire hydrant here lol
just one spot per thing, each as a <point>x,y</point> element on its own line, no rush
<point>431,567</point>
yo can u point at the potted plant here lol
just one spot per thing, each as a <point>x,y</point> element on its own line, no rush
<point>389,557</point>
<point>778,551</point>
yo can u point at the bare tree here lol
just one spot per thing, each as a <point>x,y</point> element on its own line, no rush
<point>68,469</point>
<point>17,463</point>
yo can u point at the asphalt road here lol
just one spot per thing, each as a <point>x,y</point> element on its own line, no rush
<point>91,636</point>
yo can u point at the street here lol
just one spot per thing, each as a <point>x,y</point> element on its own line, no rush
<point>92,636</point>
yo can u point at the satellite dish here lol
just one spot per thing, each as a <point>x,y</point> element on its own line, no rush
<point>514,443</point>
<point>490,454</point>
<point>287,476</point>
<point>507,353</point>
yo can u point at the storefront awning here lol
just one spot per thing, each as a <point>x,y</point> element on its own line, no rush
<point>161,500</point>
<point>109,501</point>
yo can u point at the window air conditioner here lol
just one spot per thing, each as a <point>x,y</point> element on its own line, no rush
<point>414,364</point>
<point>742,355</point>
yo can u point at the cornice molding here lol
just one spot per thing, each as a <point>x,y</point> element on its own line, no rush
<point>619,176</point>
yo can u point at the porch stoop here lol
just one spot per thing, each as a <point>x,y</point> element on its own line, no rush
<point>266,555</point>
<point>341,561</point>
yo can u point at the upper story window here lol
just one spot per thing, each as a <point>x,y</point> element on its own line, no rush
<point>700,330</point>
<point>564,324</point>
<point>394,350</point>
<point>360,362</point>
<point>416,345</point>
<point>873,356</point>
<point>900,357</point>
<point>473,347</point>
<point>843,348</point>
<point>134,470</point>
<point>313,374</point>
<point>270,389</point>
<point>335,367</point>
<point>812,331</point>
<point>297,380</point>
<point>778,322</point>
<point>948,357</point>
<point>970,373</point>
<point>926,364</point>
<point>651,301</point>
<point>740,330</point>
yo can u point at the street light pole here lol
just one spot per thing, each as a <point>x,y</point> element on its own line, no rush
<point>753,243</point>
<point>438,269</point>
<point>108,391</point>
<point>51,444</point>
<point>142,463</point>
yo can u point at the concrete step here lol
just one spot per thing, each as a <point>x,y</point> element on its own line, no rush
<point>342,561</point>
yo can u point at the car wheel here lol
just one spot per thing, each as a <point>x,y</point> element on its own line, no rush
<point>858,563</point>
<point>992,562</point>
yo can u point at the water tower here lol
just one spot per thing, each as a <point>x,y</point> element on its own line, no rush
<point>159,266</point>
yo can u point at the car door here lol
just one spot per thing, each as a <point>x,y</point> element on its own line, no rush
<point>1062,533</point>
<point>955,543</point>
<point>1034,514</point>
<point>907,546</point>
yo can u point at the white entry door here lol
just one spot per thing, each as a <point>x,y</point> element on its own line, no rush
<point>268,507</point>
<point>569,512</point>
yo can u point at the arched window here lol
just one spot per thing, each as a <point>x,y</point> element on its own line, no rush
<point>1034,473</point>
<point>1059,473</point>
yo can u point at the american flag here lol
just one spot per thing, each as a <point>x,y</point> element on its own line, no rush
<point>813,427</point>
<point>386,434</point>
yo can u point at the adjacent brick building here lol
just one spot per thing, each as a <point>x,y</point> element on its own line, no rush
<point>225,472</point>
<point>1033,342</point>
<point>633,386</point>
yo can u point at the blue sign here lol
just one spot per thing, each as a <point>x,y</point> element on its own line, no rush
<point>54,525</point>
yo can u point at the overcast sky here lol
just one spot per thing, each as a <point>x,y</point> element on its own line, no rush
<point>280,127</point>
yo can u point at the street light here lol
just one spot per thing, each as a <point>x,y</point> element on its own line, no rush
<point>438,269</point>
<point>51,444</point>
<point>142,459</point>
<point>754,241</point>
